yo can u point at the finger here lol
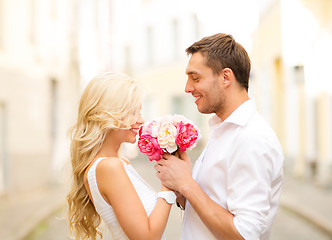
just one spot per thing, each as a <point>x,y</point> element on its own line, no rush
<point>184,156</point>
<point>157,167</point>
<point>161,161</point>
<point>166,155</point>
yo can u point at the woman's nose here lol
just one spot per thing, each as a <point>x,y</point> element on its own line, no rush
<point>140,119</point>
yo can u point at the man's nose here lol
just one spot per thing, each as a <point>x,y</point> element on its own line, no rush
<point>189,87</point>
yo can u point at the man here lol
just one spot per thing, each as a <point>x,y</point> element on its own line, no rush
<point>234,187</point>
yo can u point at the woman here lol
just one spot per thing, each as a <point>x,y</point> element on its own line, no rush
<point>104,184</point>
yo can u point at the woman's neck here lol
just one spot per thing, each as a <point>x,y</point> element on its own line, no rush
<point>110,147</point>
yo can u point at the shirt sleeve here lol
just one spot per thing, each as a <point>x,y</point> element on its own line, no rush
<point>249,184</point>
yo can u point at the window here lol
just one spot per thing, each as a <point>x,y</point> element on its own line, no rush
<point>54,115</point>
<point>196,26</point>
<point>149,41</point>
<point>33,16</point>
<point>279,100</point>
<point>128,58</point>
<point>53,10</point>
<point>2,21</point>
<point>299,74</point>
<point>4,161</point>
<point>175,39</point>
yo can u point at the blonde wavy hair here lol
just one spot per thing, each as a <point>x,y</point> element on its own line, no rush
<point>110,101</point>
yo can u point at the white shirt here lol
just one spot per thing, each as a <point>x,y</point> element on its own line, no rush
<point>241,169</point>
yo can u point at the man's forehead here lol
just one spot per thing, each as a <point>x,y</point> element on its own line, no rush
<point>196,64</point>
<point>191,71</point>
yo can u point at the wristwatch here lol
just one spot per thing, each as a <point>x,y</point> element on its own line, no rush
<point>169,196</point>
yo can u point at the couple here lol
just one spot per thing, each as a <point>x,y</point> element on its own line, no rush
<point>232,191</point>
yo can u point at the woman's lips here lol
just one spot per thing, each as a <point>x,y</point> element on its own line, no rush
<point>134,130</point>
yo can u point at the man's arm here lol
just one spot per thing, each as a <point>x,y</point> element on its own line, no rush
<point>176,174</point>
<point>214,216</point>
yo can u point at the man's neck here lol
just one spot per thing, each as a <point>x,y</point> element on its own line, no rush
<point>232,102</point>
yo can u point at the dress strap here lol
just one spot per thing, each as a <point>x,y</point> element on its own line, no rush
<point>101,158</point>
<point>124,162</point>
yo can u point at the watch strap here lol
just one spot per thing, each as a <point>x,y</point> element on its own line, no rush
<point>169,196</point>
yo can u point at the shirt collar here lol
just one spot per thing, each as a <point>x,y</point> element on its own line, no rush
<point>240,116</point>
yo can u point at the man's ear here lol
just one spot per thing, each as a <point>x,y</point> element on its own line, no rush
<point>228,76</point>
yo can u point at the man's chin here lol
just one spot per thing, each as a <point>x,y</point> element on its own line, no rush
<point>204,111</point>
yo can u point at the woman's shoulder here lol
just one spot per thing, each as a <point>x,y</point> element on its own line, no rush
<point>109,164</point>
<point>109,172</point>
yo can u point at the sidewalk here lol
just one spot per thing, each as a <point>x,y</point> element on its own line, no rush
<point>20,215</point>
<point>308,201</point>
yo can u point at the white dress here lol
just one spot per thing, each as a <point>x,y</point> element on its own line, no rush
<point>145,192</point>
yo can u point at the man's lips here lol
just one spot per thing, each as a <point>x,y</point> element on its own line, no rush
<point>197,98</point>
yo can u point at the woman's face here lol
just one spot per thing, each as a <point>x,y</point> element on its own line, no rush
<point>120,136</point>
<point>133,131</point>
<point>129,135</point>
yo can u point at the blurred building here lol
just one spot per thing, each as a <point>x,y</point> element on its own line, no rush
<point>38,86</point>
<point>46,48</point>
<point>292,82</point>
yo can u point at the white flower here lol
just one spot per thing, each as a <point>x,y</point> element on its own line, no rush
<point>167,136</point>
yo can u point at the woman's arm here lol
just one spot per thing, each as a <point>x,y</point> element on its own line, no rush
<point>117,189</point>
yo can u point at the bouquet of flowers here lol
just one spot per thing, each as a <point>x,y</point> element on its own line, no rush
<point>167,134</point>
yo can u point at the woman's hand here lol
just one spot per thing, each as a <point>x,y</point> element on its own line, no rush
<point>174,172</point>
<point>164,188</point>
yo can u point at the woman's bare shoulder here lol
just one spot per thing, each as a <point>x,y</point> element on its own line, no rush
<point>109,164</point>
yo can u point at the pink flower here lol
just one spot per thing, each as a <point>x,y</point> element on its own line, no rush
<point>152,128</point>
<point>149,145</point>
<point>187,136</point>
<point>140,131</point>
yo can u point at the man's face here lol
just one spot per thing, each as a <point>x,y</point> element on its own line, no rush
<point>204,86</point>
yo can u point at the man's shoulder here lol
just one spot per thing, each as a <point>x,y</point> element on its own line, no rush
<point>259,126</point>
<point>258,132</point>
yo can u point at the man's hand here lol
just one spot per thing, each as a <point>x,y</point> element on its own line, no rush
<point>174,172</point>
